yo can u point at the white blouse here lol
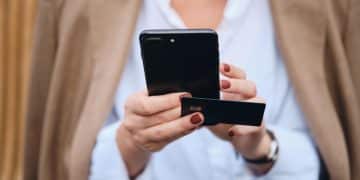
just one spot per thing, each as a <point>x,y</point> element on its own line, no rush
<point>246,39</point>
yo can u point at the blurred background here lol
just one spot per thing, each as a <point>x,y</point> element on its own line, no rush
<point>16,30</point>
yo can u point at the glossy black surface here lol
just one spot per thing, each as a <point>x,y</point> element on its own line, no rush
<point>221,111</point>
<point>181,60</point>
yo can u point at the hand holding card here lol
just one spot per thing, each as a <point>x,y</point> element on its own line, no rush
<point>222,111</point>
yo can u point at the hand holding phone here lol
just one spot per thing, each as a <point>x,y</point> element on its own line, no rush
<point>149,124</point>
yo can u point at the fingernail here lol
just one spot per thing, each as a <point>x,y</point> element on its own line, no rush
<point>196,119</point>
<point>185,95</point>
<point>231,133</point>
<point>225,84</point>
<point>226,67</point>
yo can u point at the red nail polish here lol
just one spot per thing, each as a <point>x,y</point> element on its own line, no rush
<point>231,134</point>
<point>226,68</point>
<point>196,119</point>
<point>225,84</point>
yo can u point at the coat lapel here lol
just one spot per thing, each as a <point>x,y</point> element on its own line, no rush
<point>301,33</point>
<point>112,23</point>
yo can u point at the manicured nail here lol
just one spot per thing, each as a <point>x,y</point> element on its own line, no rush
<point>196,119</point>
<point>225,84</point>
<point>231,133</point>
<point>226,67</point>
<point>185,95</point>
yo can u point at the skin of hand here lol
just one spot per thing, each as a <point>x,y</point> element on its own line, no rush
<point>152,122</point>
<point>149,124</point>
<point>250,141</point>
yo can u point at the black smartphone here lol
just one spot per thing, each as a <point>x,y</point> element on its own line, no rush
<point>187,60</point>
<point>181,60</point>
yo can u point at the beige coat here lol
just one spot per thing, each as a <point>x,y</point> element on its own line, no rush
<point>81,47</point>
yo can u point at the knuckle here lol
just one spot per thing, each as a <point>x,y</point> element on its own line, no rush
<point>240,73</point>
<point>128,125</point>
<point>144,107</point>
<point>128,103</point>
<point>139,139</point>
<point>167,116</point>
<point>243,74</point>
<point>253,133</point>
<point>160,118</point>
<point>240,133</point>
<point>132,101</point>
<point>172,101</point>
<point>138,103</point>
<point>185,125</point>
<point>159,134</point>
<point>153,147</point>
<point>251,89</point>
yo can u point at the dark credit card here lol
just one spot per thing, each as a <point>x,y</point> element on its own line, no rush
<point>222,111</point>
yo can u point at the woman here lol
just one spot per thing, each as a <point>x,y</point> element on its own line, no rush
<point>269,49</point>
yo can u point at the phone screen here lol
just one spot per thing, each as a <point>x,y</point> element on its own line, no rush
<point>181,60</point>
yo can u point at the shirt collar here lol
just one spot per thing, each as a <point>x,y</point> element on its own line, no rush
<point>169,13</point>
<point>233,10</point>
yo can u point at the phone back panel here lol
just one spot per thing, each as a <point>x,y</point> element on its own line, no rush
<point>181,60</point>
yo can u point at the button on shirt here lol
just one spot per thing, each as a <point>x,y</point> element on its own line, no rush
<point>247,40</point>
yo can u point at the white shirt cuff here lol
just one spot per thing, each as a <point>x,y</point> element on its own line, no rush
<point>298,156</point>
<point>107,162</point>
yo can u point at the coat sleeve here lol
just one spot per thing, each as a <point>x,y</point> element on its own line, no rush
<point>352,43</point>
<point>352,47</point>
<point>42,65</point>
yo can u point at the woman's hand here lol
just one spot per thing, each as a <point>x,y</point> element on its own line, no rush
<point>150,123</point>
<point>250,141</point>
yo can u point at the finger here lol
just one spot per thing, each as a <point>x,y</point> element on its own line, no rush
<point>154,146</point>
<point>221,130</point>
<point>244,87</point>
<point>142,104</point>
<point>233,97</point>
<point>174,129</point>
<point>139,122</point>
<point>242,130</point>
<point>239,97</point>
<point>164,117</point>
<point>256,99</point>
<point>232,71</point>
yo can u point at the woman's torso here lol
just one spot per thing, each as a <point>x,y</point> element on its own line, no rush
<point>246,39</point>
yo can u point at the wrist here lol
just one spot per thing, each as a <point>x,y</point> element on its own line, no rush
<point>261,149</point>
<point>134,157</point>
<point>126,143</point>
<point>263,164</point>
